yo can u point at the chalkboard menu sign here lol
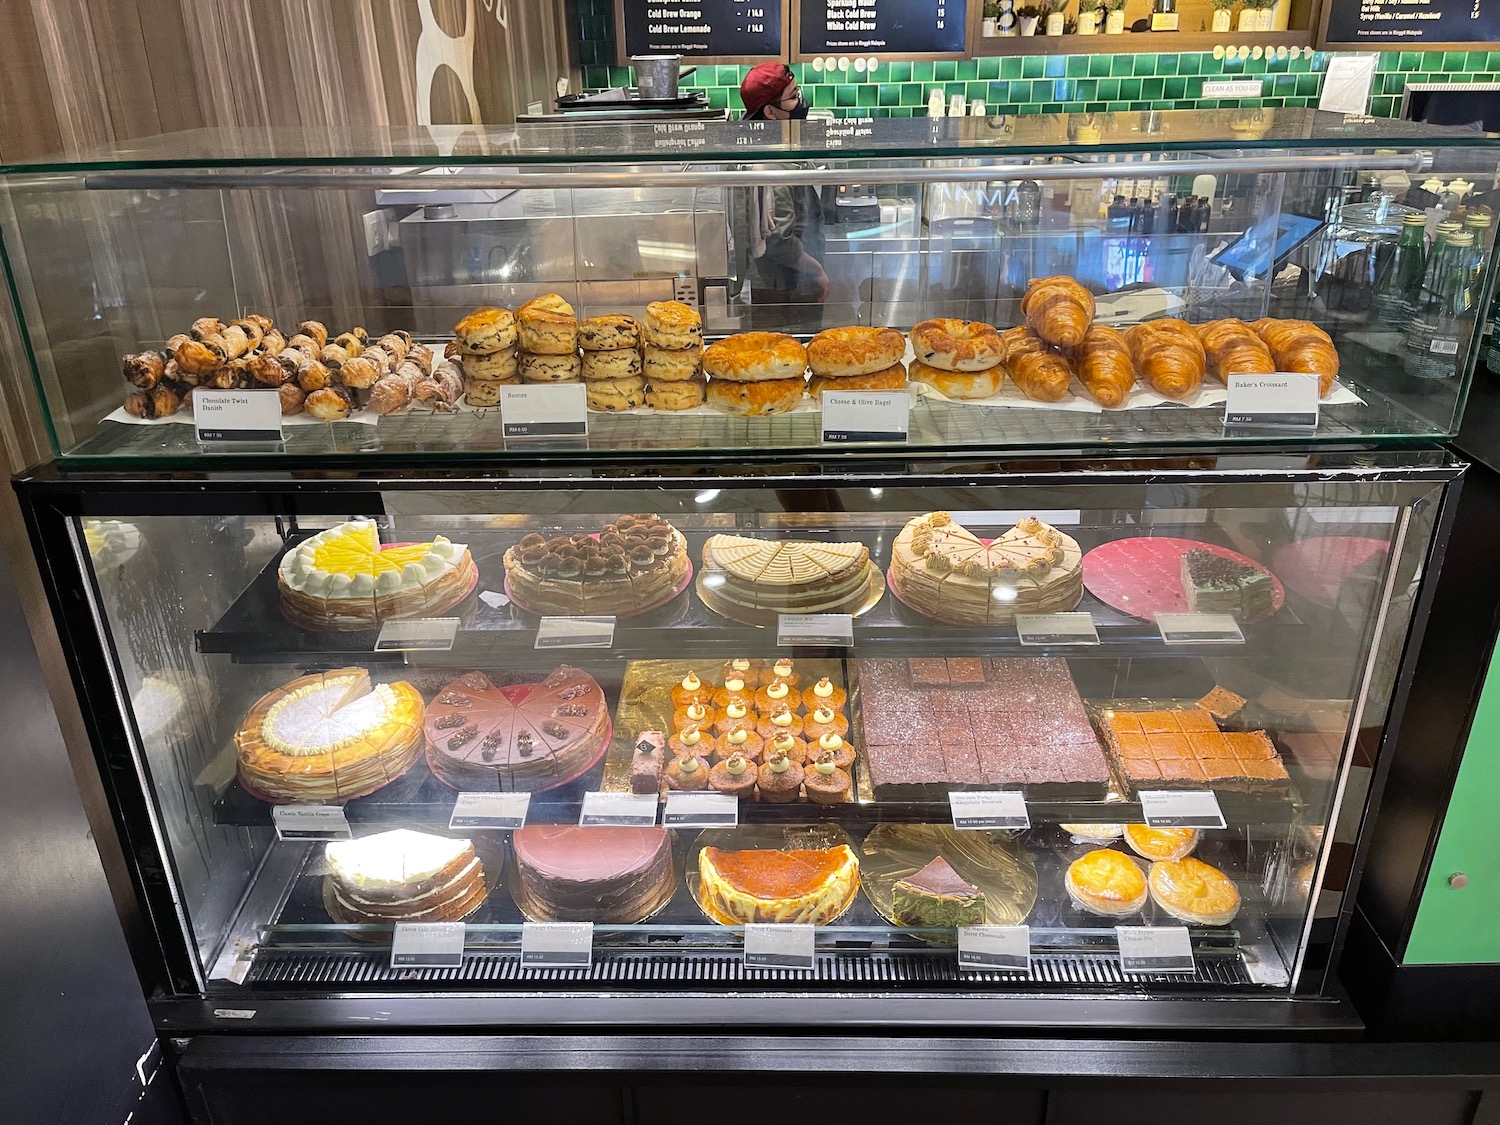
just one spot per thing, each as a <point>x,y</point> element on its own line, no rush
<point>731,30</point>
<point>1396,24</point>
<point>909,28</point>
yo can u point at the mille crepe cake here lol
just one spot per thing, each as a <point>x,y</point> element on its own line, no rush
<point>402,876</point>
<point>633,563</point>
<point>812,886</point>
<point>783,575</point>
<point>1214,583</point>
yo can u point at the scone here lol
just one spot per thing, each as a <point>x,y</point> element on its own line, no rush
<point>769,396</point>
<point>611,365</point>
<point>550,368</point>
<point>676,396</point>
<point>547,326</point>
<point>609,333</point>
<point>1193,891</point>
<point>1106,882</point>
<point>615,395</point>
<point>495,365</point>
<point>486,392</point>
<point>959,384</point>
<point>890,379</point>
<point>671,324</point>
<point>671,365</point>
<point>1161,843</point>
<point>485,331</point>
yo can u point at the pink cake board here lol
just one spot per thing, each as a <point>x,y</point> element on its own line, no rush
<point>1143,576</point>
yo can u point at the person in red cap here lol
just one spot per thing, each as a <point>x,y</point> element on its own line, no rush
<point>779,237</point>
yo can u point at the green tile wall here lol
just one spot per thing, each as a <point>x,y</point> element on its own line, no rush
<point>1052,83</point>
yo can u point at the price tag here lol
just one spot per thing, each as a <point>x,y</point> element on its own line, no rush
<point>1056,629</point>
<point>427,945</point>
<point>490,810</point>
<point>310,822</point>
<point>996,808</point>
<point>994,947</point>
<point>1199,629</point>
<point>1285,400</point>
<point>780,945</point>
<point>1444,345</point>
<point>542,410</point>
<point>1181,808</point>
<point>851,416</point>
<point>815,629</point>
<point>627,810</point>
<point>236,416</point>
<point>575,632</point>
<point>1155,949</point>
<point>701,810</point>
<point>426,634</point>
<point>557,945</point>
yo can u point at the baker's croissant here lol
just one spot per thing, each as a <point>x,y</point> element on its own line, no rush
<point>1168,355</point>
<point>1041,373</point>
<point>1104,365</point>
<point>1233,348</point>
<point>1300,345</point>
<point>1059,310</point>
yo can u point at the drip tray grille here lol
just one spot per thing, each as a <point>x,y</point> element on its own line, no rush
<point>318,969</point>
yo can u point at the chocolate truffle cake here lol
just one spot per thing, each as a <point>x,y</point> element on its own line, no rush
<point>565,873</point>
<point>522,737</point>
<point>977,723</point>
<point>632,564</point>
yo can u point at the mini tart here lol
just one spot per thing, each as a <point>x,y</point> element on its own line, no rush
<point>768,728</point>
<point>1193,891</point>
<point>745,668</point>
<point>684,717</point>
<point>780,786</point>
<point>782,669</point>
<point>1107,882</point>
<point>833,744</point>
<point>702,747</point>
<point>772,695</point>
<point>813,729</point>
<point>1161,843</point>
<point>685,776</point>
<point>826,787</point>
<point>735,714</point>
<point>741,784</point>
<point>751,746</point>
<point>795,748</point>
<point>824,693</point>
<point>684,693</point>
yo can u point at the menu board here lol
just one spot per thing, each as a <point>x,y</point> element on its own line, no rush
<point>875,27</point>
<point>703,29</point>
<point>1417,23</point>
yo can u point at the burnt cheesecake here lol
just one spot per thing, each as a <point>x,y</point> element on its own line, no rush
<point>937,897</point>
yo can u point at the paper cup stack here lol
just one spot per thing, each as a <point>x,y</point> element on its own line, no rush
<point>612,362</point>
<point>486,340</point>
<point>857,358</point>
<point>673,356</point>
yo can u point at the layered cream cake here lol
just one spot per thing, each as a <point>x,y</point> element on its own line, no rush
<point>343,579</point>
<point>946,571</point>
<point>767,576</point>
<point>763,885</point>
<point>329,736</point>
<point>634,563</point>
<point>402,876</point>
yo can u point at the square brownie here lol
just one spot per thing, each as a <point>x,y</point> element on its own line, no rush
<point>1251,746</point>
<point>1143,769</point>
<point>928,673</point>
<point>1193,720</point>
<point>1167,747</point>
<point>1183,769</point>
<point>1209,745</point>
<point>1133,745</point>
<point>1159,722</point>
<point>1121,722</point>
<point>1217,768</point>
<point>965,671</point>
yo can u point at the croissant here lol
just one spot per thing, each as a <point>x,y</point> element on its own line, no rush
<point>1233,348</point>
<point>1104,366</point>
<point>1300,345</point>
<point>1041,373</point>
<point>1168,355</point>
<point>1059,310</point>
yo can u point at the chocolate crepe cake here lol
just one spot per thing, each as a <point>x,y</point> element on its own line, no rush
<point>570,874</point>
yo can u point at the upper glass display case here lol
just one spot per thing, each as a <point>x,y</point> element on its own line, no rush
<point>1038,282</point>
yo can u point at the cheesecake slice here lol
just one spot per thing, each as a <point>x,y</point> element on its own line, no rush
<point>937,897</point>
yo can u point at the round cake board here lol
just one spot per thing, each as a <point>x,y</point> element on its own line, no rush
<point>522,691</point>
<point>890,581</point>
<point>435,611</point>
<point>1318,568</point>
<point>1143,576</point>
<point>856,606</point>
<point>769,837</point>
<point>687,579</point>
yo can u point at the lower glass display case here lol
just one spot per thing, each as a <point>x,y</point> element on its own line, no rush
<point>806,744</point>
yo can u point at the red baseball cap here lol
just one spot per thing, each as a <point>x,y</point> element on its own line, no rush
<point>764,84</point>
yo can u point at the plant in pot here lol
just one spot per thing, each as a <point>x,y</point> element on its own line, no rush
<point>990,27</point>
<point>1267,15</point>
<point>1088,16</point>
<point>1114,17</point>
<point>1056,13</point>
<point>1028,14</point>
<point>1249,15</point>
<point>1223,15</point>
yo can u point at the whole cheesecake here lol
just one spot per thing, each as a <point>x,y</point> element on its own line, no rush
<point>944,570</point>
<point>329,736</point>
<point>343,579</point>
<point>402,876</point>
<point>570,874</point>
<point>521,737</point>
<point>634,563</point>
<point>766,576</point>
<point>765,885</point>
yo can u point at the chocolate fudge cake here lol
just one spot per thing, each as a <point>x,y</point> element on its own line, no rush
<point>1213,583</point>
<point>931,726</point>
<point>938,897</point>
<point>565,873</point>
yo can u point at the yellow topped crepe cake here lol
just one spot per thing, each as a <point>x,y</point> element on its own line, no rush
<point>344,579</point>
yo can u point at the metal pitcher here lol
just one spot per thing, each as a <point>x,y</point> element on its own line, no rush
<point>656,76</point>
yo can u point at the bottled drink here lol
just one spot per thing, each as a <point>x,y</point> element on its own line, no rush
<point>1164,16</point>
<point>1400,282</point>
<point>1434,336</point>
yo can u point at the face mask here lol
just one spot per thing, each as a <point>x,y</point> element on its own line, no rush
<point>799,111</point>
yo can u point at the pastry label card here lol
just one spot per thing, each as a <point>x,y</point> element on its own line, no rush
<point>1285,400</point>
<point>221,417</point>
<point>538,410</point>
<point>982,948</point>
<point>575,632</point>
<point>1155,949</point>
<point>490,810</point>
<point>310,822</point>
<point>557,945</point>
<point>701,810</point>
<point>427,945</point>
<point>854,416</point>
<point>780,945</point>
<point>1181,808</point>
<point>1056,629</point>
<point>1199,629</point>
<point>618,810</point>
<point>425,634</point>
<point>835,629</point>
<point>997,808</point>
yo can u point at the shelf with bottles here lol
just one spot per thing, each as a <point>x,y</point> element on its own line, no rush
<point>1143,42</point>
